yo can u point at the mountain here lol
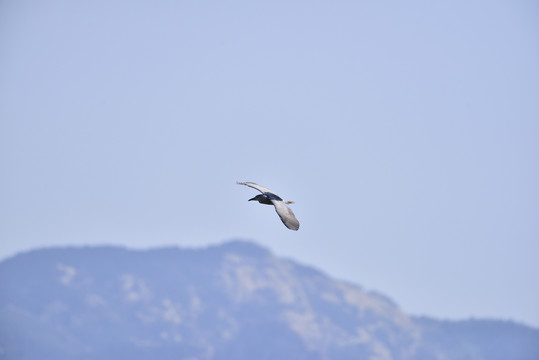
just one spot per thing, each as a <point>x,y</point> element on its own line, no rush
<point>233,301</point>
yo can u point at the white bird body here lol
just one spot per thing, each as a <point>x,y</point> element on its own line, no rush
<point>268,197</point>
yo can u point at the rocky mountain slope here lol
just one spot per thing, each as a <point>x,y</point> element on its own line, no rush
<point>233,301</point>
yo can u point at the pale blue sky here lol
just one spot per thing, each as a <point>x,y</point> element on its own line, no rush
<point>406,133</point>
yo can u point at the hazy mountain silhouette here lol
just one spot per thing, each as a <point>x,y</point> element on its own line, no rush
<point>234,301</point>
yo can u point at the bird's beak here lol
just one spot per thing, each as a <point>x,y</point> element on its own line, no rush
<point>252,199</point>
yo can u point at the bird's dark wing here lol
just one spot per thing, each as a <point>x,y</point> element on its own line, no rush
<point>255,186</point>
<point>285,213</point>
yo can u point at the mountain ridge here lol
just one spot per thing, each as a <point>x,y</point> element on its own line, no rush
<point>235,300</point>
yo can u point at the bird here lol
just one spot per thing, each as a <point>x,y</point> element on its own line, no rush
<point>268,197</point>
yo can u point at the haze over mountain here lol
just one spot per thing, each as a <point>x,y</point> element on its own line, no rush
<point>233,301</point>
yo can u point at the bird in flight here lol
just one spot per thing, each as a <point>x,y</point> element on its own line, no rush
<point>270,198</point>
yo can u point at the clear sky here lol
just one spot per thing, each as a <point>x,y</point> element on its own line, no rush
<point>406,133</point>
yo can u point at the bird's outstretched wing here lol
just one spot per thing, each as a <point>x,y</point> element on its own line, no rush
<point>255,186</point>
<point>285,213</point>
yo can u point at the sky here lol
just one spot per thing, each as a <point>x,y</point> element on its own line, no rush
<point>405,132</point>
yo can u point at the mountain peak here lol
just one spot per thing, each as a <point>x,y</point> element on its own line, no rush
<point>243,247</point>
<point>235,300</point>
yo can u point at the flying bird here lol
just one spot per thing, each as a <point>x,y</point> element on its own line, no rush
<point>268,197</point>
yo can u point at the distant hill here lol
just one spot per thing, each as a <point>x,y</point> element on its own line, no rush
<point>233,301</point>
